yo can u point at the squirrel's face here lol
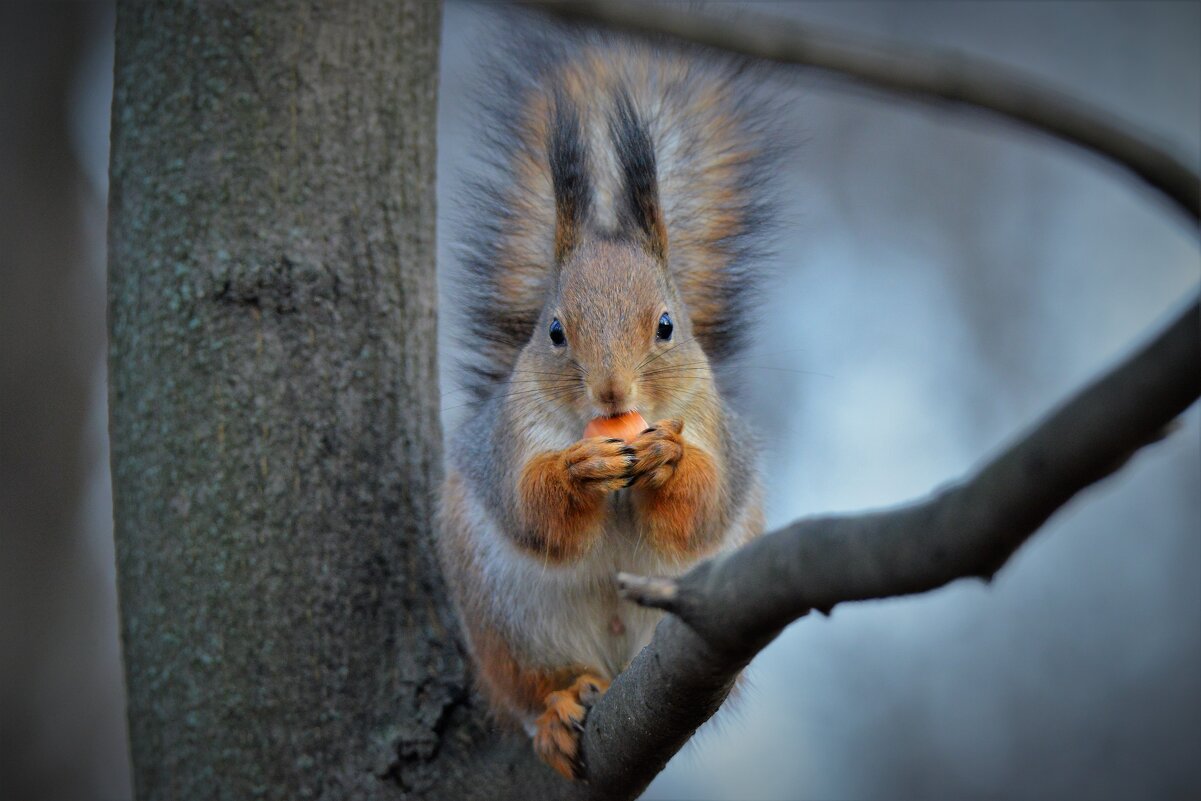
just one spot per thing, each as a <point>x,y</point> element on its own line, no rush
<point>614,336</point>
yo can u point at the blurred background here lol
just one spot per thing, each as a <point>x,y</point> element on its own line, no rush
<point>944,279</point>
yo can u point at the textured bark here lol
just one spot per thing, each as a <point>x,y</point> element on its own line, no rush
<point>275,437</point>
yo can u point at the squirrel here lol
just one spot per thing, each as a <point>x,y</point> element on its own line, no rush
<point>610,266</point>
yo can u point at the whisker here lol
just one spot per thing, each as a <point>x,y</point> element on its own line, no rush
<point>516,394</point>
<point>695,366</point>
<point>509,381</point>
<point>540,394</point>
<point>663,353</point>
<point>543,372</point>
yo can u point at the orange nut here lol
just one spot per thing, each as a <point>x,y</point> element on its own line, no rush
<point>624,426</point>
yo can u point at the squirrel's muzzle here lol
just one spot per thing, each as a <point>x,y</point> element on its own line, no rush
<point>614,393</point>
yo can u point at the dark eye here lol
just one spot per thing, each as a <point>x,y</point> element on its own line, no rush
<point>663,332</point>
<point>556,333</point>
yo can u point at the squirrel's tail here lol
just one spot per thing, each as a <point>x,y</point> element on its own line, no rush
<point>708,123</point>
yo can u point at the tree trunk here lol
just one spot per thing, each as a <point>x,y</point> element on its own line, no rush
<point>276,445</point>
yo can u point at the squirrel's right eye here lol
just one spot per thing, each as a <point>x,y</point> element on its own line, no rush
<point>557,336</point>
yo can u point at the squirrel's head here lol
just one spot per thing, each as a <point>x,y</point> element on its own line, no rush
<point>614,334</point>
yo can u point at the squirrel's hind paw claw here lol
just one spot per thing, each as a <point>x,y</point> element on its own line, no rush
<point>558,729</point>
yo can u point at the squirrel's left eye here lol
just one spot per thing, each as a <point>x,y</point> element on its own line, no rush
<point>663,332</point>
<point>557,337</point>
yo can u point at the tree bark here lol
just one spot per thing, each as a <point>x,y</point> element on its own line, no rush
<point>276,445</point>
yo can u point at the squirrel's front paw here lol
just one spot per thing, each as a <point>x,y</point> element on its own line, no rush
<point>557,730</point>
<point>657,452</point>
<point>600,462</point>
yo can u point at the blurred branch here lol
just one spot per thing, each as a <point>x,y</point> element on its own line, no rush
<point>925,73</point>
<point>727,609</point>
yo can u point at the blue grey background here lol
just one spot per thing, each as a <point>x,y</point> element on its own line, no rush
<point>944,278</point>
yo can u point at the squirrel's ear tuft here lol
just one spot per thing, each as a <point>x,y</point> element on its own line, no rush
<point>569,175</point>
<point>638,209</point>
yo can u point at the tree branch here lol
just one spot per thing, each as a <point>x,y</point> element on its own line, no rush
<point>727,609</point>
<point>926,74</point>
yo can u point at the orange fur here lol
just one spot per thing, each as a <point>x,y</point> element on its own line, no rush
<point>679,499</point>
<point>562,695</point>
<point>557,735</point>
<point>562,496</point>
<point>513,689</point>
<point>560,517</point>
<point>566,233</point>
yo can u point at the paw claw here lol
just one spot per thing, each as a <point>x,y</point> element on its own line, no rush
<point>599,463</point>
<point>658,451</point>
<point>558,729</point>
<point>590,693</point>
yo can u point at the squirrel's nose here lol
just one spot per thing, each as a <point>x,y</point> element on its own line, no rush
<point>612,391</point>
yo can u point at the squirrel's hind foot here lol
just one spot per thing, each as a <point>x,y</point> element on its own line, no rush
<point>557,730</point>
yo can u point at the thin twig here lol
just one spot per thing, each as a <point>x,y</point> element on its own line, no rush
<point>654,592</point>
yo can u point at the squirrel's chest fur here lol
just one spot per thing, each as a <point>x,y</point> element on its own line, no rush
<point>561,614</point>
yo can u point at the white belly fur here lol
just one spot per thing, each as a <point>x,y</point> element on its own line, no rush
<point>566,613</point>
